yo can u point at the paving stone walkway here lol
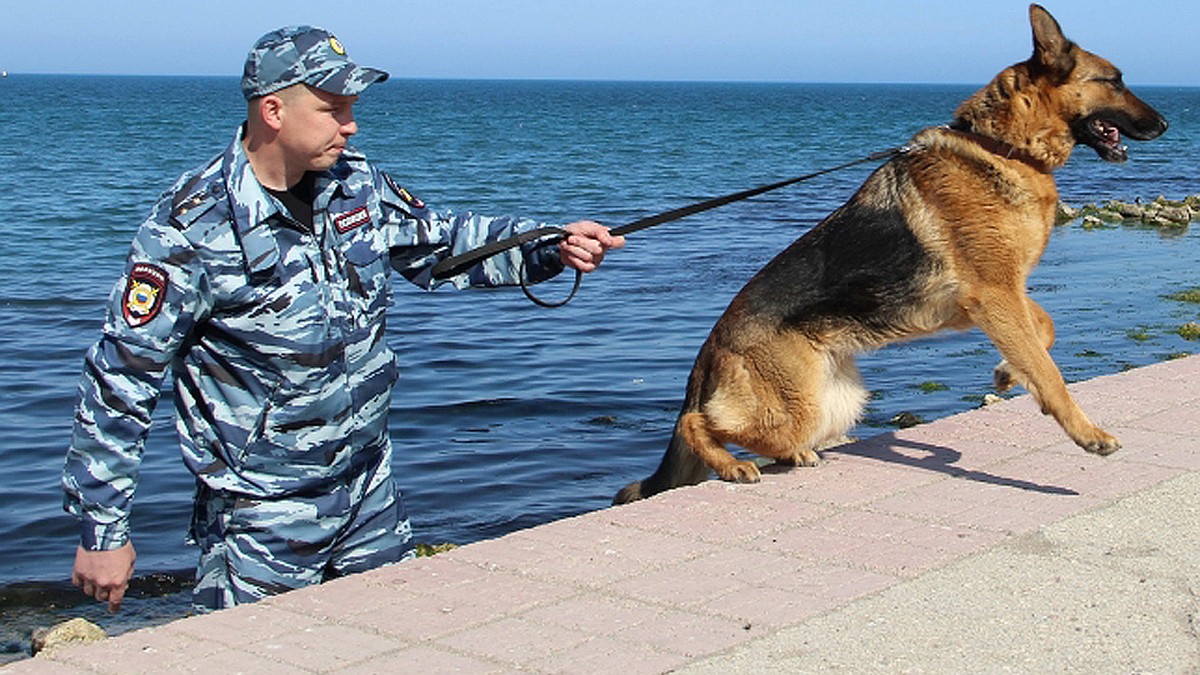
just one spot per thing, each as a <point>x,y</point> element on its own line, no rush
<point>983,542</point>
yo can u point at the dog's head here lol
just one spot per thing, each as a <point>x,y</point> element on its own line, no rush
<point>1089,93</point>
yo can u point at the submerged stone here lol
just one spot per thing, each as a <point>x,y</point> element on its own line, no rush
<point>72,632</point>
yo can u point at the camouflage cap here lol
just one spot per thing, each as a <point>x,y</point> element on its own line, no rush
<point>305,54</point>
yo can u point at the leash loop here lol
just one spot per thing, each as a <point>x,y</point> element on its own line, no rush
<point>525,285</point>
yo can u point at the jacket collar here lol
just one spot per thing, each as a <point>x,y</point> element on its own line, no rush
<point>255,213</point>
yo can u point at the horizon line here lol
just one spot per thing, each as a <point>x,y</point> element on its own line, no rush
<point>598,80</point>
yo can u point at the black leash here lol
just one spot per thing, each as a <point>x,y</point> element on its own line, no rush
<point>553,235</point>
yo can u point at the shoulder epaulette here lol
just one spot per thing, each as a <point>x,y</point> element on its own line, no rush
<point>189,203</point>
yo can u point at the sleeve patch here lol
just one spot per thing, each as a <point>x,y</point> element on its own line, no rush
<point>403,194</point>
<point>144,291</point>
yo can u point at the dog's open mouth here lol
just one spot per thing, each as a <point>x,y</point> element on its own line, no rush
<point>1103,136</point>
<point>1103,131</point>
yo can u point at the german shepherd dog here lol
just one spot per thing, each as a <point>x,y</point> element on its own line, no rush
<point>942,236</point>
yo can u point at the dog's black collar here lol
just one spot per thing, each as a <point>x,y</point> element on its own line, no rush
<point>996,147</point>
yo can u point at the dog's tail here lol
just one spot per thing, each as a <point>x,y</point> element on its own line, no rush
<point>680,466</point>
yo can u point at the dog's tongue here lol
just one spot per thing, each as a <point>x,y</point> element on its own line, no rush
<point>1110,133</point>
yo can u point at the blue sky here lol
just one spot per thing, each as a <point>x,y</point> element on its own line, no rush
<point>753,40</point>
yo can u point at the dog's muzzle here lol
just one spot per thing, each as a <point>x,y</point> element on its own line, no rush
<point>1102,131</point>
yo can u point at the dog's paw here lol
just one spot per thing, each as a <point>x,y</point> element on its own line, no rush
<point>740,472</point>
<point>1003,377</point>
<point>805,457</point>
<point>1099,442</point>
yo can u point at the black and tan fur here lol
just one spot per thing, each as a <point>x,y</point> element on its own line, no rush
<point>943,236</point>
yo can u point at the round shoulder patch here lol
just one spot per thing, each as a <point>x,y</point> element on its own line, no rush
<point>144,291</point>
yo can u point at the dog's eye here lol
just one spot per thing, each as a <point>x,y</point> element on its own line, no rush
<point>1114,82</point>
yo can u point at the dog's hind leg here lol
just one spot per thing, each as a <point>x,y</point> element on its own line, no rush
<point>785,401</point>
<point>699,435</point>
<point>843,398</point>
<point>839,398</point>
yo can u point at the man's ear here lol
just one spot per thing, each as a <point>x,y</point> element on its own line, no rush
<point>270,111</point>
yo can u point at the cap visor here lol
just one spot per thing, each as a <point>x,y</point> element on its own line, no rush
<point>350,80</point>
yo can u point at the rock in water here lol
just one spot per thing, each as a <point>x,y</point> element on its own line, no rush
<point>75,631</point>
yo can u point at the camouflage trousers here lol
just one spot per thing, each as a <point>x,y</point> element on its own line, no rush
<point>251,548</point>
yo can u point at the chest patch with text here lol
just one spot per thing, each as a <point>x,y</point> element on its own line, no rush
<point>344,222</point>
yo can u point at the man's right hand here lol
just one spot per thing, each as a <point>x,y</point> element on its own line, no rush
<point>104,575</point>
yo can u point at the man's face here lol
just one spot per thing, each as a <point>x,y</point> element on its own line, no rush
<point>315,126</point>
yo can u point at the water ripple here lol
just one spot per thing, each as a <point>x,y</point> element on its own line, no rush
<point>507,415</point>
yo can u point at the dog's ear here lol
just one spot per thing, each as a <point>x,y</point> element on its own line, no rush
<point>1052,51</point>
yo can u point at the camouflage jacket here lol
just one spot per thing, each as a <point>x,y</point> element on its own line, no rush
<point>273,333</point>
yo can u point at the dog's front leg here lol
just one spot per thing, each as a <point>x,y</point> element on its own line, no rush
<point>1007,317</point>
<point>1005,376</point>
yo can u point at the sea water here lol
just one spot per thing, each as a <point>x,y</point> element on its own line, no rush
<point>508,415</point>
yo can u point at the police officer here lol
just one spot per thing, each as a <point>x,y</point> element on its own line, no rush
<point>262,280</point>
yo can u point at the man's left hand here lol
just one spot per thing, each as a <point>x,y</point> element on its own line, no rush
<point>586,244</point>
